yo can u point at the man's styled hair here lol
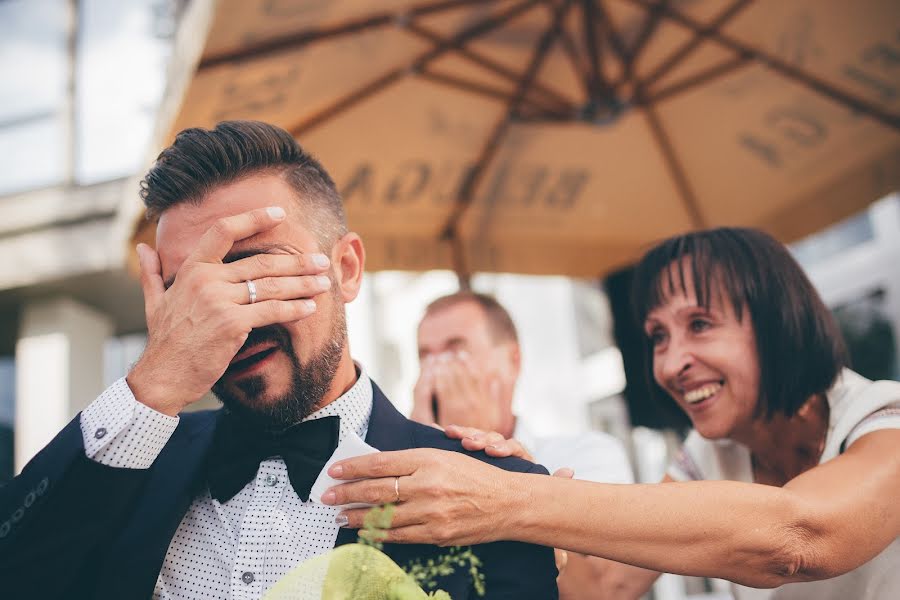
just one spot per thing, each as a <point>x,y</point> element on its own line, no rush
<point>798,343</point>
<point>502,328</point>
<point>201,160</point>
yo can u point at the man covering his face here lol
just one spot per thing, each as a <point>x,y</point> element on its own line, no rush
<point>244,295</point>
<point>470,361</point>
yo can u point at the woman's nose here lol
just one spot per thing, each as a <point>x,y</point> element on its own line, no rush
<point>678,358</point>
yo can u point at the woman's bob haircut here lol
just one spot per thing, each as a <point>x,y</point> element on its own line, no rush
<point>799,346</point>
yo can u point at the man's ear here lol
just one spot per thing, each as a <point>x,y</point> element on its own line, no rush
<point>514,356</point>
<point>348,260</point>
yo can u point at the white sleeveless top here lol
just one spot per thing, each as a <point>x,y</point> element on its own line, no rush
<point>858,406</point>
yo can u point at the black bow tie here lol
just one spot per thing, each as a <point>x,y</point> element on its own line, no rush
<point>237,451</point>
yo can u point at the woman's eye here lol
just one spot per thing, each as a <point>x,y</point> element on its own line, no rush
<point>656,337</point>
<point>698,325</point>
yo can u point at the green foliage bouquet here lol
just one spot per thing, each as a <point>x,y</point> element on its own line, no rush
<point>363,572</point>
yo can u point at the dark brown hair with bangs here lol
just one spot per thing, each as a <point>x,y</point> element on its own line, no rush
<point>798,343</point>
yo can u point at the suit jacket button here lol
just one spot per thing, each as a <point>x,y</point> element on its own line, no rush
<point>100,433</point>
<point>17,515</point>
<point>4,529</point>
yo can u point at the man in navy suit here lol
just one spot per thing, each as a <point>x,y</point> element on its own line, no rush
<point>244,296</point>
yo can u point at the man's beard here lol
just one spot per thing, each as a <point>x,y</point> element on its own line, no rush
<point>310,381</point>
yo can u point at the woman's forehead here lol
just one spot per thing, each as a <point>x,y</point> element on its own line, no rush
<point>682,284</point>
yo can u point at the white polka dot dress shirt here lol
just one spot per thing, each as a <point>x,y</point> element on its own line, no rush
<point>240,548</point>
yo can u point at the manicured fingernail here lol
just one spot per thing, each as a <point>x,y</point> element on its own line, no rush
<point>310,305</point>
<point>328,497</point>
<point>323,281</point>
<point>341,520</point>
<point>276,212</point>
<point>336,471</point>
<point>320,260</point>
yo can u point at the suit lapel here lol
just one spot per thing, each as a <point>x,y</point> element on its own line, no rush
<point>177,476</point>
<point>388,430</point>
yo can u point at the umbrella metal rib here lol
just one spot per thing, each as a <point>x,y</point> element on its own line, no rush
<point>416,66</point>
<point>598,87</point>
<point>782,67</point>
<point>299,39</point>
<point>475,87</point>
<point>294,41</point>
<point>676,169</point>
<point>703,77</point>
<point>696,40</point>
<point>626,58</point>
<point>548,94</point>
<point>688,197</point>
<point>576,60</point>
<point>654,18</point>
<point>467,190</point>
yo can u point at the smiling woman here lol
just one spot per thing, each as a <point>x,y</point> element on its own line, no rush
<point>737,337</point>
<point>741,342</point>
<point>738,299</point>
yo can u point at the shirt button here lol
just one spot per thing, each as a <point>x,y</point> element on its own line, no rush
<point>247,577</point>
<point>100,433</point>
<point>271,480</point>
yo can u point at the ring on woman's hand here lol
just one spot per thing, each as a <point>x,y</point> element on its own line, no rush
<point>396,490</point>
<point>251,287</point>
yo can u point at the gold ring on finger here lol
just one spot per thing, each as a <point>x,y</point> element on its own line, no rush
<point>396,490</point>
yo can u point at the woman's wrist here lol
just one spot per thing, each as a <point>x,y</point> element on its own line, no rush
<point>519,504</point>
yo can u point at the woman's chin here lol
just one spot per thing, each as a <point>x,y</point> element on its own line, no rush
<point>712,429</point>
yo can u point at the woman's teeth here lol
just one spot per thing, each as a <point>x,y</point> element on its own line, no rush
<point>702,393</point>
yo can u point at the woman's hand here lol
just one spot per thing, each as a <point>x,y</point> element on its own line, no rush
<point>493,443</point>
<point>445,498</point>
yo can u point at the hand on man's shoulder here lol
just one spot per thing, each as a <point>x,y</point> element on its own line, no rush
<point>427,436</point>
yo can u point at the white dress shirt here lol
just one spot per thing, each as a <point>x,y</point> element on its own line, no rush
<point>594,456</point>
<point>240,548</point>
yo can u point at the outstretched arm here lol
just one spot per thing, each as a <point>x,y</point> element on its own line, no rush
<point>825,522</point>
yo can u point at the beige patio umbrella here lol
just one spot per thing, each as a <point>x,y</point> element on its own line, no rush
<point>564,136</point>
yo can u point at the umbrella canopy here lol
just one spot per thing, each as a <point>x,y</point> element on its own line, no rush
<point>565,136</point>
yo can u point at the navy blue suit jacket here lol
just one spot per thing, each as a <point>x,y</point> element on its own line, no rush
<point>73,528</point>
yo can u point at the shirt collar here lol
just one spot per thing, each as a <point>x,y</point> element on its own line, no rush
<point>354,407</point>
